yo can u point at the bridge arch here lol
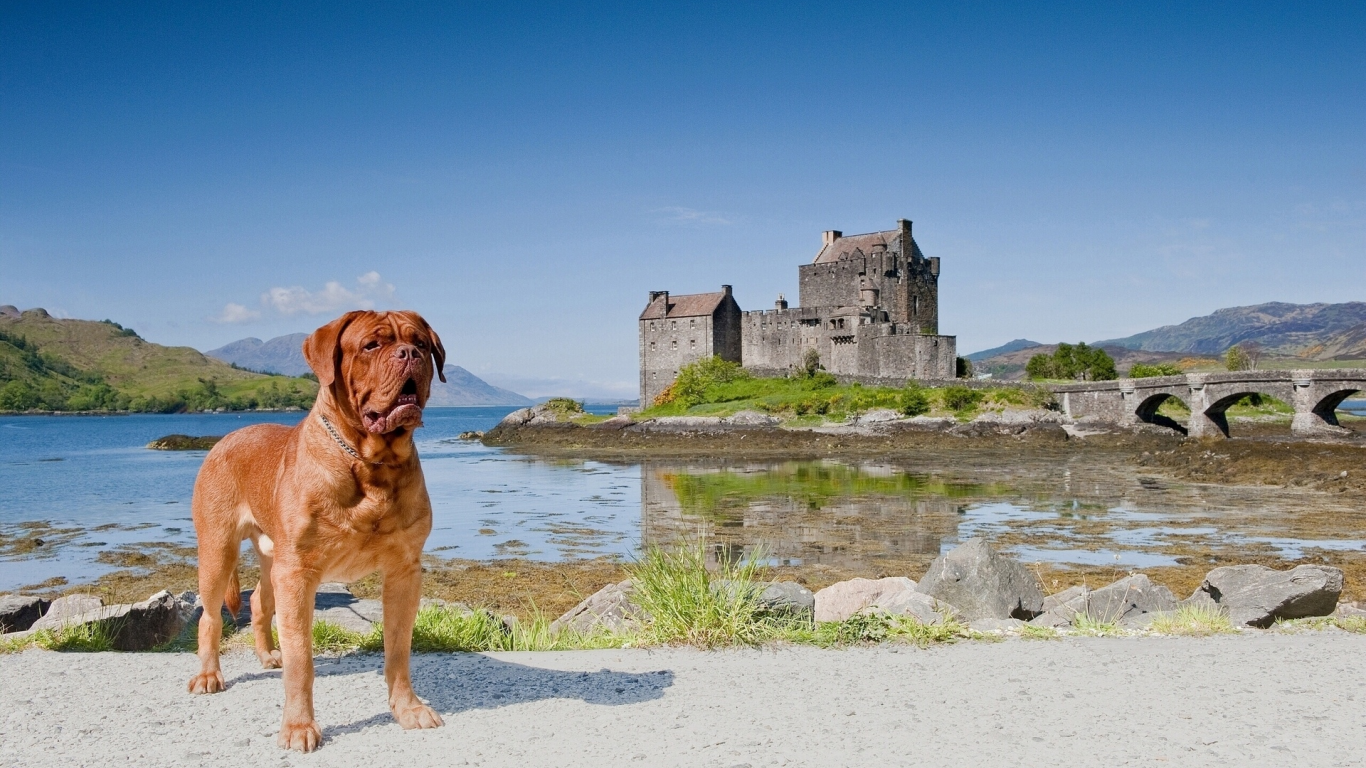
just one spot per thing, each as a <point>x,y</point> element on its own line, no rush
<point>1327,407</point>
<point>1217,411</point>
<point>1148,407</point>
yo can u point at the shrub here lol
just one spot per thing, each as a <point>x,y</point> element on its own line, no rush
<point>961,398</point>
<point>564,406</point>
<point>964,368</point>
<point>914,400</point>
<point>690,388</point>
<point>811,362</point>
<point>686,604</point>
<point>1073,362</point>
<point>1236,359</point>
<point>1148,371</point>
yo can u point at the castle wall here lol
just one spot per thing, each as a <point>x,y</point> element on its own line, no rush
<point>667,345</point>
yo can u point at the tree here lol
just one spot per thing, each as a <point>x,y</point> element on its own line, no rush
<point>1148,371</point>
<point>811,362</point>
<point>1073,362</point>
<point>964,368</point>
<point>1236,359</point>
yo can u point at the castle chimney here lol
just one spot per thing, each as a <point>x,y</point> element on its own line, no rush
<point>725,289</point>
<point>831,235</point>
<point>781,303</point>
<point>907,250</point>
<point>934,266</point>
<point>656,294</point>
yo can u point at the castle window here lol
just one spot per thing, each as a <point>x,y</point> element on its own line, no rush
<point>673,344</point>
<point>692,323</point>
<point>673,324</point>
<point>652,346</point>
<point>692,342</point>
<point>916,311</point>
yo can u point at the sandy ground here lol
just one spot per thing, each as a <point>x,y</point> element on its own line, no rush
<point>1272,698</point>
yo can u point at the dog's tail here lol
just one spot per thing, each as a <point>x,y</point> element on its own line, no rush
<point>233,597</point>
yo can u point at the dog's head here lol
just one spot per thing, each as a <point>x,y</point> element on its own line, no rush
<point>380,364</point>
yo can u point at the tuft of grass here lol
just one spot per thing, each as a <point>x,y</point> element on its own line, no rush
<point>329,637</point>
<point>877,627</point>
<point>15,644</point>
<point>689,604</point>
<point>1193,621</point>
<point>1085,625</point>
<point>1038,632</point>
<point>1355,624</point>
<point>439,629</point>
<point>91,637</point>
<point>1312,623</point>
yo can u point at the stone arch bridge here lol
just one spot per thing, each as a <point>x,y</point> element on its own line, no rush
<point>1315,395</point>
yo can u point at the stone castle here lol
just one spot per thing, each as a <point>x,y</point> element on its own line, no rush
<point>868,304</point>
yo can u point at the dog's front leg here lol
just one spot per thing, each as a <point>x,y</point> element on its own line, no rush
<point>294,594</point>
<point>402,596</point>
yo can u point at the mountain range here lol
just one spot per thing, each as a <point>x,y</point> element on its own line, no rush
<point>59,364</point>
<point>284,354</point>
<point>1305,333</point>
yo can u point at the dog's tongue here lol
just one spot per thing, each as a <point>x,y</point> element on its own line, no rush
<point>403,415</point>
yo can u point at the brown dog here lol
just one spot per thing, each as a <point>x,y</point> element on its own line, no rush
<point>338,497</point>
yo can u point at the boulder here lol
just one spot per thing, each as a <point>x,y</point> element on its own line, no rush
<point>1255,596</point>
<point>838,602</point>
<point>1058,598</point>
<point>1130,602</point>
<point>65,608</point>
<point>983,584</point>
<point>18,612</point>
<point>137,627</point>
<point>996,625</point>
<point>877,416</point>
<point>918,605</point>
<point>1062,612</point>
<point>517,418</point>
<point>751,419</point>
<point>335,603</point>
<point>614,423</point>
<point>787,598</point>
<point>609,608</point>
<point>1353,610</point>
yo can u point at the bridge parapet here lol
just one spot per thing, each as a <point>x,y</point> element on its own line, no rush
<point>1315,395</point>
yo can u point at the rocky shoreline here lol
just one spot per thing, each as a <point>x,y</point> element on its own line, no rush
<point>971,588</point>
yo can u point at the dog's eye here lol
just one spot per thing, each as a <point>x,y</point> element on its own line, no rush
<point>372,346</point>
<point>421,345</point>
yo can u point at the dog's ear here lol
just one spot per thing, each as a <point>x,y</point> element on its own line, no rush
<point>438,351</point>
<point>322,348</point>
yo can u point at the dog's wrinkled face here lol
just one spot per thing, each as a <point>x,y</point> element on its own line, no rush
<point>381,363</point>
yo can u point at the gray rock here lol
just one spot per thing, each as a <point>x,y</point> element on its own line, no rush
<point>614,423</point>
<point>996,625</point>
<point>1255,596</point>
<point>918,605</point>
<point>1058,598</point>
<point>983,584</point>
<point>137,627</point>
<point>1353,610</point>
<point>65,608</point>
<point>355,615</point>
<point>1062,614</point>
<point>787,598</point>
<point>1130,602</point>
<point>18,612</point>
<point>751,419</point>
<point>878,416</point>
<point>838,602</point>
<point>517,418</point>
<point>609,608</point>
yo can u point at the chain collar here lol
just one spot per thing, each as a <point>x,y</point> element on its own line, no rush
<point>351,451</point>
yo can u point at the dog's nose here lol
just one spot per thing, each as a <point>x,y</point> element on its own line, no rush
<point>407,353</point>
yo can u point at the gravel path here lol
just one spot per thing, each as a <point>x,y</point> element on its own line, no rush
<point>1275,699</point>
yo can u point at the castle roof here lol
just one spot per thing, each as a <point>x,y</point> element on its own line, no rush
<point>688,305</point>
<point>853,246</point>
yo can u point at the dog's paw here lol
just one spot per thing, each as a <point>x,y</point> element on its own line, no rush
<point>417,715</point>
<point>271,660</point>
<point>207,682</point>
<point>301,737</point>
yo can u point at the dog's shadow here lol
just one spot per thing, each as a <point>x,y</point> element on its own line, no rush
<point>459,682</point>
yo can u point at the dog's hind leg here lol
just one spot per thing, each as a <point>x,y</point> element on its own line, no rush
<point>217,573</point>
<point>263,605</point>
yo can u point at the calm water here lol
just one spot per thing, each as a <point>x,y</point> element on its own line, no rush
<point>93,480</point>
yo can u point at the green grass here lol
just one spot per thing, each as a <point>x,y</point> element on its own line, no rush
<point>716,388</point>
<point>1355,624</point>
<point>689,604</point>
<point>91,637</point>
<point>1037,632</point>
<point>1193,621</point>
<point>875,627</point>
<point>1083,624</point>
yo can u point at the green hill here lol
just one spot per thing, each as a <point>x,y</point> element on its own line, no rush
<point>1306,331</point>
<point>55,364</point>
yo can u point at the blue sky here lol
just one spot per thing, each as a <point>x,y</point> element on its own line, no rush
<point>524,174</point>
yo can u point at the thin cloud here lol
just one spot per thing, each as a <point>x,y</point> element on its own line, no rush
<point>235,313</point>
<point>370,290</point>
<point>333,297</point>
<point>677,214</point>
